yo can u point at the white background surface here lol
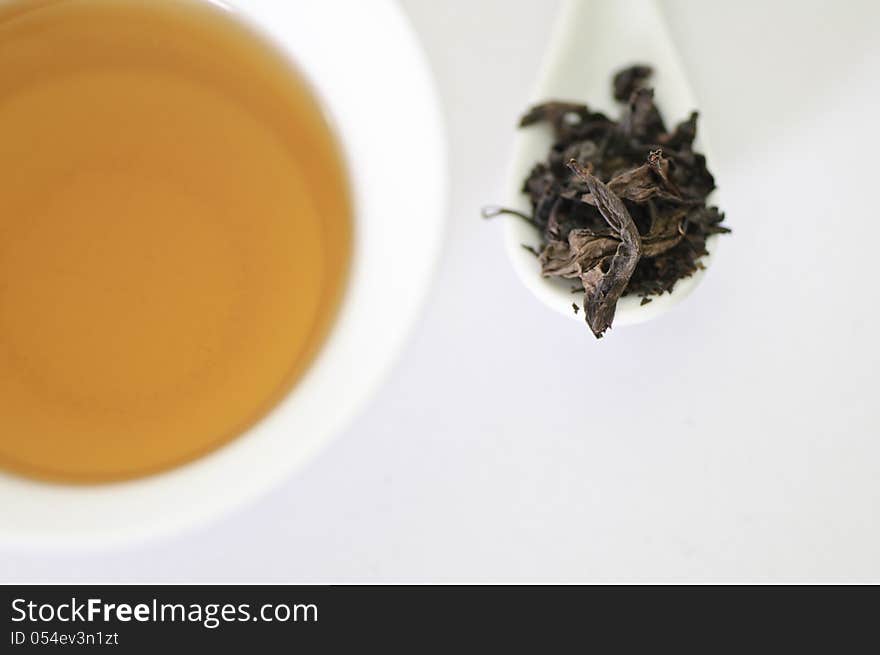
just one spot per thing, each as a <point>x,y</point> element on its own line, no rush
<point>735,439</point>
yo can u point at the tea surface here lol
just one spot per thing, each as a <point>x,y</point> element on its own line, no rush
<point>175,229</point>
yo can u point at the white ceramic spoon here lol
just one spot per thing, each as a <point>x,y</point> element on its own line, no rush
<point>592,40</point>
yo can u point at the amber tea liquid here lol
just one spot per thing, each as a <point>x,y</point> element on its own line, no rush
<point>175,228</point>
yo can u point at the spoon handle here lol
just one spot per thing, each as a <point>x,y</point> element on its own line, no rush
<point>593,38</point>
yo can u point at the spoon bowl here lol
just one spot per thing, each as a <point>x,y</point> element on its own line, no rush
<point>591,41</point>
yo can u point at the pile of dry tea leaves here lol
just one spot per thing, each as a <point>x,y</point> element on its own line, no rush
<point>621,204</point>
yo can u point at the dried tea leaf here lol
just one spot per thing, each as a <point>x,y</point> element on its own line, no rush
<point>683,136</point>
<point>621,206</point>
<point>605,282</point>
<point>569,120</point>
<point>629,79</point>
<point>642,120</point>
<point>583,250</point>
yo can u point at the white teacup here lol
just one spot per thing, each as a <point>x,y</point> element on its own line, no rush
<point>368,70</point>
